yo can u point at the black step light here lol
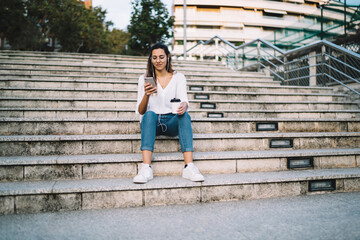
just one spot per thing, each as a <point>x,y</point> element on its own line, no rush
<point>202,96</point>
<point>322,185</point>
<point>281,143</point>
<point>208,105</point>
<point>298,162</point>
<point>215,115</point>
<point>196,88</point>
<point>267,126</point>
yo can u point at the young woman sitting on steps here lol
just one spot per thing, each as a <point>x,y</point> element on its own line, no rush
<point>157,117</point>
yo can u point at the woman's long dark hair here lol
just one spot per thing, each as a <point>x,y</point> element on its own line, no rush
<point>150,67</point>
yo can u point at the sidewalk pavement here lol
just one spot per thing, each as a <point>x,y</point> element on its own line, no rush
<point>328,216</point>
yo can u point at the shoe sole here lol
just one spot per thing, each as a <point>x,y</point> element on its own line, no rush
<point>142,182</point>
<point>188,178</point>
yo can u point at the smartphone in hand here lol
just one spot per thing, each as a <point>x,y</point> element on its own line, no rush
<point>151,81</point>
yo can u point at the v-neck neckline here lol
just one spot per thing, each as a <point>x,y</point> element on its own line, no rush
<point>163,88</point>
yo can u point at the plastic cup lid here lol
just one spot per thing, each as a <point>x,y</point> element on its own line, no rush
<point>175,100</point>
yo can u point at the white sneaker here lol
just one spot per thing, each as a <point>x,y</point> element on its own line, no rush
<point>192,173</point>
<point>145,174</point>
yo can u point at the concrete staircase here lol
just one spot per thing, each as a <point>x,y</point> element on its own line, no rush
<point>70,139</point>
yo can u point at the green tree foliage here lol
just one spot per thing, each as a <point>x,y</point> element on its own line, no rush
<point>117,40</point>
<point>78,29</point>
<point>150,23</point>
<point>18,26</point>
<point>30,24</point>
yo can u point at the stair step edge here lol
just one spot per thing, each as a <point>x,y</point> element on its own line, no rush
<point>170,182</point>
<point>197,136</point>
<point>172,156</point>
<point>17,119</point>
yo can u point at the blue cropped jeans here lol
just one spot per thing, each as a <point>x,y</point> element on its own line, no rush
<point>153,125</point>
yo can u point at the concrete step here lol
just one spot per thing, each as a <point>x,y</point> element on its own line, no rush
<point>271,105</point>
<point>39,126</point>
<point>190,73</point>
<point>130,104</point>
<point>83,57</point>
<point>67,167</point>
<point>204,95</point>
<point>221,95</point>
<point>90,113</point>
<point>194,79</point>
<point>138,63</point>
<point>126,81</point>
<point>108,66</point>
<point>80,60</point>
<point>300,114</point>
<point>31,145</point>
<point>65,55</point>
<point>131,83</point>
<point>261,89</point>
<point>19,197</point>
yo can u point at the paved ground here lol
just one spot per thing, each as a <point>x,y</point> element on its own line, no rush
<point>329,216</point>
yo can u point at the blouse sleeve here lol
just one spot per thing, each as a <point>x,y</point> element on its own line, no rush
<point>181,90</point>
<point>140,93</point>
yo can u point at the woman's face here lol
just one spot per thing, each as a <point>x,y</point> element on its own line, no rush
<point>159,59</point>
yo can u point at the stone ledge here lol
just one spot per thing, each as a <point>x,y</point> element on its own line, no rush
<point>58,138</point>
<point>189,92</point>
<point>192,110</point>
<point>93,79</point>
<point>135,81</point>
<point>162,157</point>
<point>188,72</point>
<point>171,182</point>
<point>118,66</point>
<point>64,54</point>
<point>17,119</point>
<point>110,61</point>
<point>190,100</point>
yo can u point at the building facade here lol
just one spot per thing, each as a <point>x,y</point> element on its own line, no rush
<point>87,3</point>
<point>279,21</point>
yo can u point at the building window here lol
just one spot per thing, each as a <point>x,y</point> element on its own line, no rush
<point>274,13</point>
<point>207,27</point>
<point>208,9</point>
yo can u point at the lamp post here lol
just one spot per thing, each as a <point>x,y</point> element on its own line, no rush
<point>185,30</point>
<point>345,17</point>
<point>322,4</point>
<point>185,41</point>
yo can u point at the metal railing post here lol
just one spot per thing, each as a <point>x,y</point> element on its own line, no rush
<point>217,49</point>
<point>323,49</point>
<point>312,68</point>
<point>243,57</point>
<point>286,77</point>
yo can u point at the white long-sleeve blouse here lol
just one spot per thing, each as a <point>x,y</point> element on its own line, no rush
<point>160,104</point>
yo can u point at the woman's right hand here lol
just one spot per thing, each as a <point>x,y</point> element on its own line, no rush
<point>149,89</point>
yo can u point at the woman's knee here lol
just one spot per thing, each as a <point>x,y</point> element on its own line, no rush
<point>185,117</point>
<point>150,114</point>
<point>149,118</point>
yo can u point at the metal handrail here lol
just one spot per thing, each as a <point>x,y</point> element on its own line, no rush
<point>233,46</point>
<point>279,60</point>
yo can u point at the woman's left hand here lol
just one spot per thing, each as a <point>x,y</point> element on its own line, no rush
<point>182,108</point>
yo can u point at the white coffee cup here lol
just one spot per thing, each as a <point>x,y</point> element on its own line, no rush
<point>175,103</point>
